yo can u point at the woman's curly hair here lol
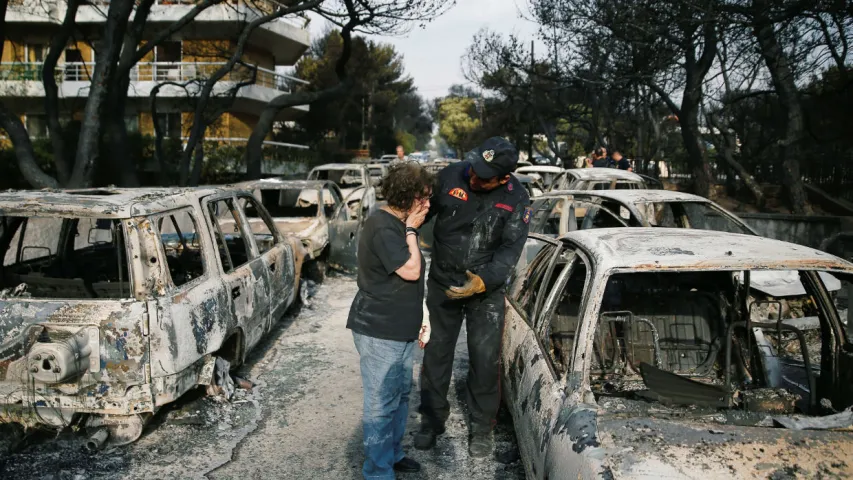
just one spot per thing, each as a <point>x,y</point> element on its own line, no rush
<point>405,182</point>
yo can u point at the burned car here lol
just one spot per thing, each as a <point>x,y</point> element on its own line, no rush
<point>645,353</point>
<point>546,174</point>
<point>115,302</point>
<point>598,179</point>
<point>317,214</point>
<point>377,172</point>
<point>353,179</point>
<point>557,213</point>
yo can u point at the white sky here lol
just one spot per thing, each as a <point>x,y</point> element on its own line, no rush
<point>432,55</point>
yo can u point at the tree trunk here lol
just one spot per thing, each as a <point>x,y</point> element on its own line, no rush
<point>783,80</point>
<point>27,163</point>
<point>726,144</point>
<point>88,148</point>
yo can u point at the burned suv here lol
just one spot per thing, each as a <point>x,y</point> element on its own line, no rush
<point>114,303</point>
<point>646,353</point>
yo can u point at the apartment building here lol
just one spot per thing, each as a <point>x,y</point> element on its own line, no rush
<point>195,52</point>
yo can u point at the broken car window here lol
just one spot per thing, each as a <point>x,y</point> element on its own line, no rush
<point>290,202</point>
<point>49,257</point>
<point>233,249</point>
<point>261,228</point>
<point>562,322</point>
<point>708,339</point>
<point>546,216</point>
<point>350,178</point>
<point>697,215</point>
<point>179,235</point>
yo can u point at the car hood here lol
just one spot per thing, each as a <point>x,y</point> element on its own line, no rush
<point>659,448</point>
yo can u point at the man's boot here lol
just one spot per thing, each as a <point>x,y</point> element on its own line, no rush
<point>481,444</point>
<point>425,438</point>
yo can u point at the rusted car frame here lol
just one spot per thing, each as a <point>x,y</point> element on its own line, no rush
<point>116,302</point>
<point>635,353</point>
<point>353,179</point>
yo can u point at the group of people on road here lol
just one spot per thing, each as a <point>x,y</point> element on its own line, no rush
<point>481,216</point>
<point>600,159</point>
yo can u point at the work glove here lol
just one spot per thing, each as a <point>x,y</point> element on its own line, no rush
<point>473,286</point>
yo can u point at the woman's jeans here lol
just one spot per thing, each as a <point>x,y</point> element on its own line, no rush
<point>386,376</point>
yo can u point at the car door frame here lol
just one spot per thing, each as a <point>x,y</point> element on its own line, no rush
<point>248,282</point>
<point>277,261</point>
<point>567,392</point>
<point>344,236</point>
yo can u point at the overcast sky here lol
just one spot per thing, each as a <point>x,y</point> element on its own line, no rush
<point>432,55</point>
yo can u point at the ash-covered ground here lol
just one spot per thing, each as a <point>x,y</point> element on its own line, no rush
<point>301,420</point>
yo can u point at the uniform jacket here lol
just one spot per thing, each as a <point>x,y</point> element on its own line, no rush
<point>479,231</point>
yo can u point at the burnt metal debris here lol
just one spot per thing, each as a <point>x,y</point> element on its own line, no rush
<point>115,302</point>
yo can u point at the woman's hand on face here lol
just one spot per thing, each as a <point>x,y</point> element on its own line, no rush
<point>417,215</point>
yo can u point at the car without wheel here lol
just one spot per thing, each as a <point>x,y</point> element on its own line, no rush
<point>115,302</point>
<point>645,353</point>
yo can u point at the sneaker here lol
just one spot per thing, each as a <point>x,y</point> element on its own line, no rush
<point>481,444</point>
<point>407,465</point>
<point>425,438</point>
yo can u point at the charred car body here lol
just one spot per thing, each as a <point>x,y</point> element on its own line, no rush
<point>645,353</point>
<point>317,214</point>
<point>354,181</point>
<point>598,179</point>
<point>117,302</point>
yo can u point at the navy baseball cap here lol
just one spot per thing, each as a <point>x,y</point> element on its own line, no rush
<point>496,157</point>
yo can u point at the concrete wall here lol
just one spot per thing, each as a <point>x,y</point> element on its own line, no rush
<point>801,229</point>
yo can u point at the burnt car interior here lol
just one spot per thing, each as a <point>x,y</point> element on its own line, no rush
<point>701,343</point>
<point>69,258</point>
<point>233,249</point>
<point>708,339</point>
<point>179,235</point>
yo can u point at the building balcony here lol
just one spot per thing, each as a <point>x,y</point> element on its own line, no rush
<point>20,82</point>
<point>286,38</point>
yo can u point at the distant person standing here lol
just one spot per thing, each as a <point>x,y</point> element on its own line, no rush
<point>621,162</point>
<point>600,158</point>
<point>401,155</point>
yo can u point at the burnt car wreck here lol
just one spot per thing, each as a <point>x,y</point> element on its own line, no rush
<point>116,302</point>
<point>640,353</point>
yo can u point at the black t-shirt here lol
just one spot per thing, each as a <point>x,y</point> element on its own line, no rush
<point>386,306</point>
<point>623,164</point>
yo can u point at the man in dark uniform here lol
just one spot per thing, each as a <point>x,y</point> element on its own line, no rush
<point>481,227</point>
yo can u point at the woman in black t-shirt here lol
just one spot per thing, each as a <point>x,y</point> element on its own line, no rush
<point>386,316</point>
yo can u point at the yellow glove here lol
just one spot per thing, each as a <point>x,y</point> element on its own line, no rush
<point>473,286</point>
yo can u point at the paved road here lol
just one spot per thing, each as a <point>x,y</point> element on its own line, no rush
<point>301,421</point>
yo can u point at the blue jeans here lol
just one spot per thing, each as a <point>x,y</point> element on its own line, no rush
<point>386,376</point>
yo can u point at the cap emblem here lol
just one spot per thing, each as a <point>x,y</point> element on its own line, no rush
<point>488,155</point>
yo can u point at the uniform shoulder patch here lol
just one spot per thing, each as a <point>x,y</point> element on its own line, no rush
<point>459,193</point>
<point>509,186</point>
<point>525,217</point>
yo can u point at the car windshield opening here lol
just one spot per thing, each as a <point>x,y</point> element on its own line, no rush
<point>344,178</point>
<point>762,345</point>
<point>291,202</point>
<point>65,258</point>
<point>696,215</point>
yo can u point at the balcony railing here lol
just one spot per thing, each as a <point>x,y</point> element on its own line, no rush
<point>154,72</point>
<point>299,20</point>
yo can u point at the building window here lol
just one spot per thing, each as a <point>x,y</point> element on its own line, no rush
<point>169,124</point>
<point>168,52</point>
<point>36,125</point>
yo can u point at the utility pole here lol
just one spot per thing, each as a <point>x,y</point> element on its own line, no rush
<point>530,104</point>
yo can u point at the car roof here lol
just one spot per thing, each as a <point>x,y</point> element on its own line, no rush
<point>651,249</point>
<point>377,165</point>
<point>339,166</point>
<point>634,196</point>
<point>281,184</point>
<point>540,168</point>
<point>99,202</point>
<point>603,174</point>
